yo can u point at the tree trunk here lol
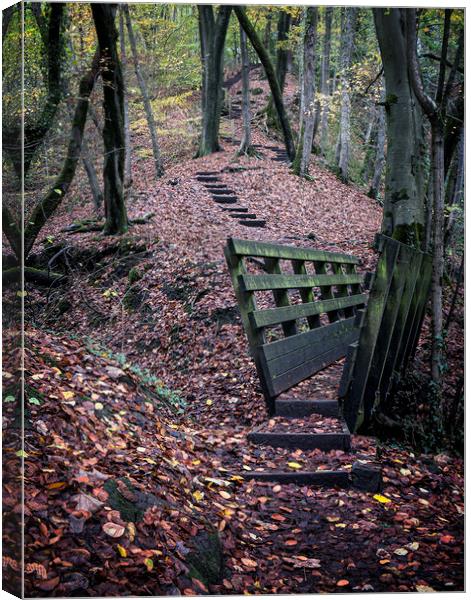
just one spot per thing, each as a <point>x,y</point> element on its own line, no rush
<point>379,155</point>
<point>271,76</point>
<point>324,101</point>
<point>246,143</point>
<point>435,111</point>
<point>301,162</point>
<point>455,190</point>
<point>348,32</point>
<point>113,131</point>
<point>284,22</point>
<point>127,131</point>
<point>212,34</point>
<point>159,169</point>
<point>403,215</point>
<point>92,177</point>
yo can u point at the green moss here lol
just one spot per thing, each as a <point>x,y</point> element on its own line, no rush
<point>206,562</point>
<point>410,234</point>
<point>134,275</point>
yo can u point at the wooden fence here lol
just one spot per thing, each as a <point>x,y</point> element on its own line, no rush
<point>298,307</point>
<point>389,331</point>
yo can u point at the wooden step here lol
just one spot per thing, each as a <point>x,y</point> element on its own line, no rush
<point>206,173</point>
<point>292,407</point>
<point>304,441</point>
<point>318,478</point>
<point>226,200</point>
<point>362,476</point>
<point>207,178</point>
<point>243,216</point>
<point>253,223</point>
<point>225,197</point>
<point>237,209</point>
<point>222,192</point>
<point>215,186</point>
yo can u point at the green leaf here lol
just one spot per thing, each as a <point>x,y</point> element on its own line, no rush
<point>34,401</point>
<point>9,399</point>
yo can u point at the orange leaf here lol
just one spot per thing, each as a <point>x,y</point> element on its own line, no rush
<point>278,517</point>
<point>342,582</point>
<point>291,542</point>
<point>248,562</point>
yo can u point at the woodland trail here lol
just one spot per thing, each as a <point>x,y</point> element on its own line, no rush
<point>179,320</point>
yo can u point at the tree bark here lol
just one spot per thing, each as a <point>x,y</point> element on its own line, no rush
<point>212,35</point>
<point>158,166</point>
<point>113,130</point>
<point>127,130</point>
<point>348,32</point>
<point>435,109</point>
<point>284,22</point>
<point>403,214</point>
<point>379,155</point>
<point>325,73</point>
<point>92,177</point>
<point>271,76</point>
<point>246,143</point>
<point>301,161</point>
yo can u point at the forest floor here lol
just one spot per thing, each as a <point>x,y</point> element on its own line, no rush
<point>141,392</point>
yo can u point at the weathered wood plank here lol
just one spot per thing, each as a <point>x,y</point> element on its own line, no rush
<point>347,372</point>
<point>423,289</point>
<point>308,338</point>
<point>399,331</point>
<point>283,382</point>
<point>388,321</point>
<point>253,283</point>
<point>305,441</point>
<point>274,316</point>
<point>326,291</point>
<point>353,405</point>
<point>272,266</point>
<point>307,295</point>
<point>252,248</point>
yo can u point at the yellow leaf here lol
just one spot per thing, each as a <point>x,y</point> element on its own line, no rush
<point>198,496</point>
<point>400,551</point>
<point>246,468</point>
<point>131,531</point>
<point>381,499</point>
<point>99,406</point>
<point>149,563</point>
<point>224,495</point>
<point>332,519</point>
<point>341,525</point>
<point>209,402</point>
<point>294,465</point>
<point>405,472</point>
<point>122,551</point>
<point>68,395</point>
<point>424,588</point>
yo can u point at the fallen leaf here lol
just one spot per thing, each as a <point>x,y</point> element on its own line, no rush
<point>113,529</point>
<point>381,498</point>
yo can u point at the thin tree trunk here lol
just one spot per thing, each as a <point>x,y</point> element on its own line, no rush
<point>116,220</point>
<point>454,197</point>
<point>455,294</point>
<point>323,104</point>
<point>213,35</point>
<point>127,131</point>
<point>246,143</point>
<point>271,76</point>
<point>284,22</point>
<point>435,111</point>
<point>379,155</point>
<point>158,166</point>
<point>301,162</point>
<point>346,58</point>
<point>92,177</point>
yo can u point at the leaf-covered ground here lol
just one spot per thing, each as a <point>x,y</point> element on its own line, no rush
<point>141,393</point>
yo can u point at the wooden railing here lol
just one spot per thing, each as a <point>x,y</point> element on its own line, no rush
<point>298,307</point>
<point>389,332</point>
